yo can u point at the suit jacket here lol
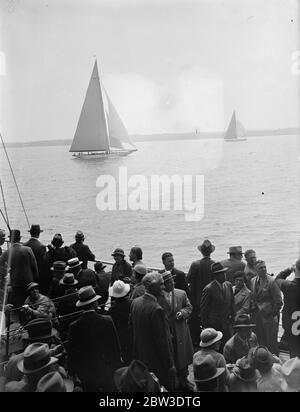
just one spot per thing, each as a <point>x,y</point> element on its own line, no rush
<point>217,306</point>
<point>183,347</point>
<point>40,254</point>
<point>266,296</point>
<point>236,348</point>
<point>84,253</point>
<point>291,294</point>
<point>94,350</point>
<point>151,336</point>
<point>23,266</point>
<point>198,277</point>
<point>242,301</point>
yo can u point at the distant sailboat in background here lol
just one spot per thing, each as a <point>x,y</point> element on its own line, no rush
<point>235,131</point>
<point>100,132</point>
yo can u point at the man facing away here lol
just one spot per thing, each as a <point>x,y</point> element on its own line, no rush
<point>22,268</point>
<point>152,343</point>
<point>198,277</point>
<point>83,251</point>
<point>40,252</point>
<point>234,262</point>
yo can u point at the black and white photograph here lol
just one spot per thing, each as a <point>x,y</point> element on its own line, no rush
<point>149,198</point>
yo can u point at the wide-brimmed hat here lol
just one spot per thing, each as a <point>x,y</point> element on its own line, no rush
<point>206,248</point>
<point>79,235</point>
<point>244,370</point>
<point>167,275</point>
<point>36,357</point>
<point>14,234</point>
<point>243,321</point>
<point>54,382</point>
<point>135,378</point>
<point>140,269</point>
<point>59,266</point>
<point>209,336</point>
<point>35,229</point>
<point>118,251</point>
<point>32,285</point>
<point>235,250</point>
<point>73,263</point>
<point>57,240</point>
<point>291,372</point>
<point>262,358</point>
<point>86,296</point>
<point>68,280</point>
<point>39,329</point>
<point>119,289</point>
<point>217,267</point>
<point>204,369</point>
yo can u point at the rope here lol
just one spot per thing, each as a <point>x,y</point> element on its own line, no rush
<point>12,172</point>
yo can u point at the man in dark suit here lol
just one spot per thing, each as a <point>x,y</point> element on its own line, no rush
<point>40,252</point>
<point>234,262</point>
<point>198,277</point>
<point>21,264</point>
<point>152,342</point>
<point>94,350</point>
<point>83,251</point>
<point>179,276</point>
<point>217,303</point>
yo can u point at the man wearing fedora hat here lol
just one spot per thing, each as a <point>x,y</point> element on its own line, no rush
<point>178,309</point>
<point>36,362</point>
<point>56,251</point>
<point>234,262</point>
<point>243,377</point>
<point>205,374</point>
<point>198,277</point>
<point>84,253</point>
<point>37,305</point>
<point>291,308</point>
<point>217,303</point>
<point>55,289</point>
<point>94,350</point>
<point>54,382</point>
<point>40,254</point>
<point>270,378</point>
<point>119,312</point>
<point>121,268</point>
<point>103,281</point>
<point>242,341</point>
<point>179,276</point>
<point>22,268</point>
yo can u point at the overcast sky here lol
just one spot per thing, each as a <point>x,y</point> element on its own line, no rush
<point>168,65</point>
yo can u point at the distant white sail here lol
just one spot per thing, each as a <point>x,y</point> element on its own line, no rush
<point>235,129</point>
<point>91,133</point>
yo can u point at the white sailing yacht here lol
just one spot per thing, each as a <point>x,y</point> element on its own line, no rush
<point>235,131</point>
<point>100,132</point>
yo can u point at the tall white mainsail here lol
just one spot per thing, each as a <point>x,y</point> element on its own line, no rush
<point>235,129</point>
<point>91,133</point>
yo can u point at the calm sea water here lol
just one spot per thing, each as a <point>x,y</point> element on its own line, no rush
<point>251,198</point>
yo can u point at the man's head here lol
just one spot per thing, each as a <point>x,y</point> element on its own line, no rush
<point>218,272</point>
<point>33,291</point>
<point>168,260</point>
<point>139,271</point>
<point>154,283</point>
<point>261,268</point>
<point>79,236</point>
<point>2,236</point>
<point>98,266</point>
<point>236,252</point>
<point>118,255</point>
<point>168,281</point>
<point>57,240</point>
<point>135,254</point>
<point>239,279</point>
<point>87,298</point>
<point>15,236</point>
<point>35,231</point>
<point>243,326</point>
<point>74,265</point>
<point>250,257</point>
<point>207,248</point>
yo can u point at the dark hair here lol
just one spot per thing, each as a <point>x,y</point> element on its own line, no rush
<point>137,251</point>
<point>165,255</point>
